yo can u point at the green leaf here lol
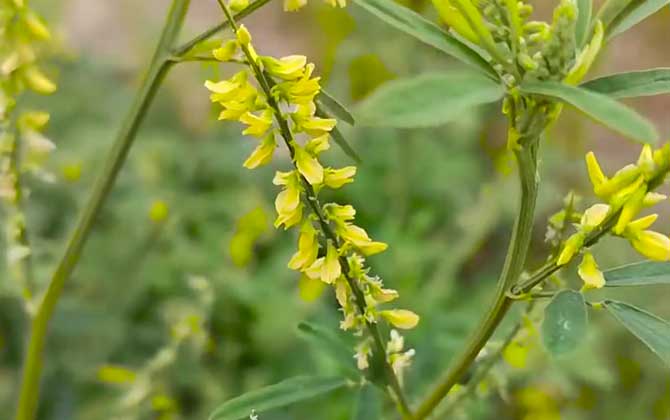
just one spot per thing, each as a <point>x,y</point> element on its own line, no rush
<point>328,342</point>
<point>427,100</point>
<point>632,84</point>
<point>565,321</point>
<point>425,31</point>
<point>638,274</point>
<point>584,10</point>
<point>611,10</point>
<point>648,328</point>
<point>368,404</point>
<point>278,395</point>
<point>601,108</point>
<point>336,135</point>
<point>635,13</point>
<point>326,100</point>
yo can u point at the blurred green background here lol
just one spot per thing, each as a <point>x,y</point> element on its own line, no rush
<point>443,199</point>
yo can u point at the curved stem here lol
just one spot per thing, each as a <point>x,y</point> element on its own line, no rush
<point>514,262</point>
<point>158,69</point>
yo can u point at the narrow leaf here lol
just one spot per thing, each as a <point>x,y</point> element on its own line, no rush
<point>336,135</point>
<point>601,108</point>
<point>584,10</point>
<point>653,331</point>
<point>368,404</point>
<point>427,100</point>
<point>565,322</point>
<point>632,84</point>
<point>425,31</point>
<point>278,395</point>
<point>329,343</point>
<point>635,13</point>
<point>611,10</point>
<point>326,100</point>
<point>638,274</point>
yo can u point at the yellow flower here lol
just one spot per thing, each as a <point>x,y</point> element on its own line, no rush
<point>596,174</point>
<point>318,145</point>
<point>243,35</point>
<point>288,205</point>
<point>335,3</point>
<point>630,210</point>
<point>653,198</point>
<point>258,125</point>
<point>340,214</point>
<point>594,216</point>
<point>288,68</point>
<point>586,57</point>
<point>303,90</point>
<point>652,245</point>
<point>326,268</point>
<point>293,5</point>
<point>640,224</point>
<point>38,82</point>
<point>588,271</point>
<point>336,178</point>
<point>238,5</point>
<point>308,165</point>
<point>36,27</point>
<point>401,318</point>
<point>360,239</point>
<point>571,247</point>
<point>226,51</point>
<point>646,161</point>
<point>308,248</point>
<point>262,154</point>
<point>624,180</point>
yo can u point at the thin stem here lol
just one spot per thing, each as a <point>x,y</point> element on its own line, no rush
<point>514,263</point>
<point>266,84</point>
<point>185,48</point>
<point>158,69</point>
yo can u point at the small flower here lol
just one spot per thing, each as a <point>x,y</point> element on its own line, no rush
<point>336,178</point>
<point>258,125</point>
<point>287,68</point>
<point>308,248</point>
<point>262,154</point>
<point>308,165</point>
<point>401,318</point>
<point>588,271</point>
<point>326,268</point>
<point>243,35</point>
<point>227,50</point>
<point>572,245</point>
<point>652,245</point>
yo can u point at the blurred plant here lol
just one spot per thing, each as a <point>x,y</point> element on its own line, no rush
<point>23,147</point>
<point>533,67</point>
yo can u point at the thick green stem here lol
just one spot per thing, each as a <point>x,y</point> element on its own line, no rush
<point>514,263</point>
<point>28,394</point>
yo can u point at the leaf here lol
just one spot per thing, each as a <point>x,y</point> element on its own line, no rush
<point>648,328</point>
<point>326,100</point>
<point>638,274</point>
<point>565,321</point>
<point>368,404</point>
<point>425,31</point>
<point>632,84</point>
<point>427,100</point>
<point>635,13</point>
<point>601,108</point>
<point>336,135</point>
<point>329,343</point>
<point>278,395</point>
<point>611,10</point>
<point>584,10</point>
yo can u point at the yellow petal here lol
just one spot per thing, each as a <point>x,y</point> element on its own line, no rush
<point>238,5</point>
<point>226,51</point>
<point>262,155</point>
<point>331,266</point>
<point>652,245</point>
<point>38,82</point>
<point>594,215</point>
<point>243,35</point>
<point>630,210</point>
<point>595,173</point>
<point>586,57</point>
<point>641,224</point>
<point>336,178</point>
<point>572,245</point>
<point>308,166</point>
<point>310,289</point>
<point>293,5</point>
<point>588,271</point>
<point>401,318</point>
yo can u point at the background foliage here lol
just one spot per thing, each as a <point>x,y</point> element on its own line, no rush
<point>442,198</point>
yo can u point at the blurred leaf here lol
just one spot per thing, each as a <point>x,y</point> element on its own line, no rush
<point>584,10</point>
<point>427,100</point>
<point>326,100</point>
<point>278,395</point>
<point>366,73</point>
<point>328,342</point>
<point>632,84</point>
<point>636,12</point>
<point>638,274</point>
<point>648,328</point>
<point>601,108</point>
<point>610,10</point>
<point>249,228</point>
<point>565,322</point>
<point>368,404</point>
<point>425,31</point>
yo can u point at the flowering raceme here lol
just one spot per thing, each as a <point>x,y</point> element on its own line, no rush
<point>626,194</point>
<point>331,248</point>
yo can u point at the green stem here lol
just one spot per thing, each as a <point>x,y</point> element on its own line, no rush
<point>159,67</point>
<point>514,263</point>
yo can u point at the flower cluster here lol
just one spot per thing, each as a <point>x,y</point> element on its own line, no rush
<point>625,195</point>
<point>331,248</point>
<point>523,48</point>
<point>23,147</point>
